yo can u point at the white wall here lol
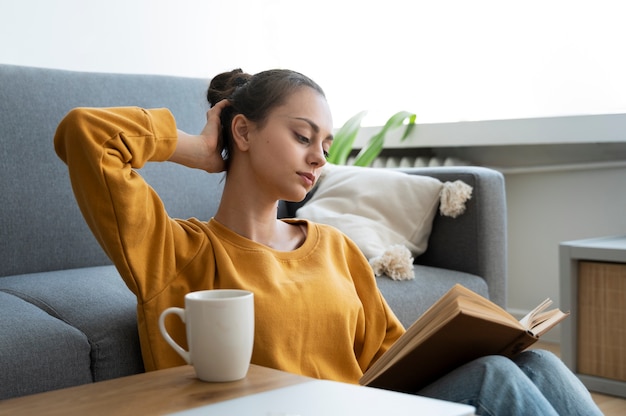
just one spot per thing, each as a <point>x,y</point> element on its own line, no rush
<point>446,60</point>
<point>547,208</point>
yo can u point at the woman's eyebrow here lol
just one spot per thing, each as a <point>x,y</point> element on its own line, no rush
<point>314,126</point>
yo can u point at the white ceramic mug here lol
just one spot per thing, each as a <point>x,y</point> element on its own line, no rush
<point>220,333</point>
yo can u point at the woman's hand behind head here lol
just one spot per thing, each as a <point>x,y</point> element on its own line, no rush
<point>212,137</point>
<point>203,151</point>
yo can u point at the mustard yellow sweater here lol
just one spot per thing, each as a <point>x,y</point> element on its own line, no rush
<point>318,310</point>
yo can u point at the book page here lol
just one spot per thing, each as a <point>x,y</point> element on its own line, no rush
<point>539,321</point>
<point>545,321</point>
<point>529,320</point>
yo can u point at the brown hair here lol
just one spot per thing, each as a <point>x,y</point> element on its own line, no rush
<point>254,96</point>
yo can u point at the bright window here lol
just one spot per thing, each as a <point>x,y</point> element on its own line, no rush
<point>446,60</point>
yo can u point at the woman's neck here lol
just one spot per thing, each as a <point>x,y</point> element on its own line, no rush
<point>249,208</point>
<point>246,213</point>
<point>258,222</point>
<point>256,219</point>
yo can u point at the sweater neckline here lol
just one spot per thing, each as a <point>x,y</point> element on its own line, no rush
<point>228,235</point>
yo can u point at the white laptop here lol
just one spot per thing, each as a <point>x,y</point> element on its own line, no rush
<point>330,398</point>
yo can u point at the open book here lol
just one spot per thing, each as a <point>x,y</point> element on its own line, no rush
<point>460,327</point>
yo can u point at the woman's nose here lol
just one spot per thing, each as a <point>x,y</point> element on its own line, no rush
<point>317,157</point>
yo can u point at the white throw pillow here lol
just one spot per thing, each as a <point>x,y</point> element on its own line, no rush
<point>377,208</point>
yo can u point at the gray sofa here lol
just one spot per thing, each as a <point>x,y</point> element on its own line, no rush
<point>66,317</point>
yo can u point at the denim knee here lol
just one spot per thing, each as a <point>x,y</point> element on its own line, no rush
<point>537,357</point>
<point>537,361</point>
<point>558,384</point>
<point>495,364</point>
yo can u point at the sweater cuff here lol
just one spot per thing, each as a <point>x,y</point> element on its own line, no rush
<point>165,133</point>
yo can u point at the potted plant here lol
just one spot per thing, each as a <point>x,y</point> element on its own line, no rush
<point>345,136</point>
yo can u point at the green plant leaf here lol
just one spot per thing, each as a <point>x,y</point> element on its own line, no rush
<point>374,146</point>
<point>409,127</point>
<point>344,139</point>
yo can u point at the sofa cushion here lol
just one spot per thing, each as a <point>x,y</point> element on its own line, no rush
<point>54,354</point>
<point>97,303</point>
<point>410,298</point>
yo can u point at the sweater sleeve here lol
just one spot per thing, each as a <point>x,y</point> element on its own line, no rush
<point>382,327</point>
<point>102,149</point>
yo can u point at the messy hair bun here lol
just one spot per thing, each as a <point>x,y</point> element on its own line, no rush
<point>254,96</point>
<point>224,84</point>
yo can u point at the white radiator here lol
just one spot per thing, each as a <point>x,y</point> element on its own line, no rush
<point>412,161</point>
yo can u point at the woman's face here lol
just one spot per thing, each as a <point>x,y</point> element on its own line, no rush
<point>288,151</point>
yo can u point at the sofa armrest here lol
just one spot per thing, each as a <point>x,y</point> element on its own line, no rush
<point>476,241</point>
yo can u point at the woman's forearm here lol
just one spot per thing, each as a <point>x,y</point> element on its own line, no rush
<point>191,151</point>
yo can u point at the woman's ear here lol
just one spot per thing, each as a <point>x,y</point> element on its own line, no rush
<point>240,130</point>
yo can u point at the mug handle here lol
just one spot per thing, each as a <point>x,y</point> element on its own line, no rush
<point>181,314</point>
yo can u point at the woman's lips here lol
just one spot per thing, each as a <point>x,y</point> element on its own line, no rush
<point>308,178</point>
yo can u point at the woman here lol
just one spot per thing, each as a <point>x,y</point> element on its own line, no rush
<point>319,312</point>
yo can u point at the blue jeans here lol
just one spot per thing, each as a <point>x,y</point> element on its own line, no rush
<point>535,382</point>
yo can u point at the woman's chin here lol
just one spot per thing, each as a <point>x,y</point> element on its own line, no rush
<point>295,197</point>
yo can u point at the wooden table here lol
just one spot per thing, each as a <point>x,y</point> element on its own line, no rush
<point>156,392</point>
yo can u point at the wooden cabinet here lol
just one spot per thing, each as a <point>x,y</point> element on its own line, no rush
<point>593,289</point>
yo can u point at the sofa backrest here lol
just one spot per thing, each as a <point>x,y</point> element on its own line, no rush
<point>41,227</point>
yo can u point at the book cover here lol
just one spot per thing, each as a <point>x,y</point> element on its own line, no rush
<point>457,329</point>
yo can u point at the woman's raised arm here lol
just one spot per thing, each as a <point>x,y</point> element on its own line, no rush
<point>103,148</point>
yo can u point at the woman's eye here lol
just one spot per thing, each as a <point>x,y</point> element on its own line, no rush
<point>303,139</point>
<point>306,140</point>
